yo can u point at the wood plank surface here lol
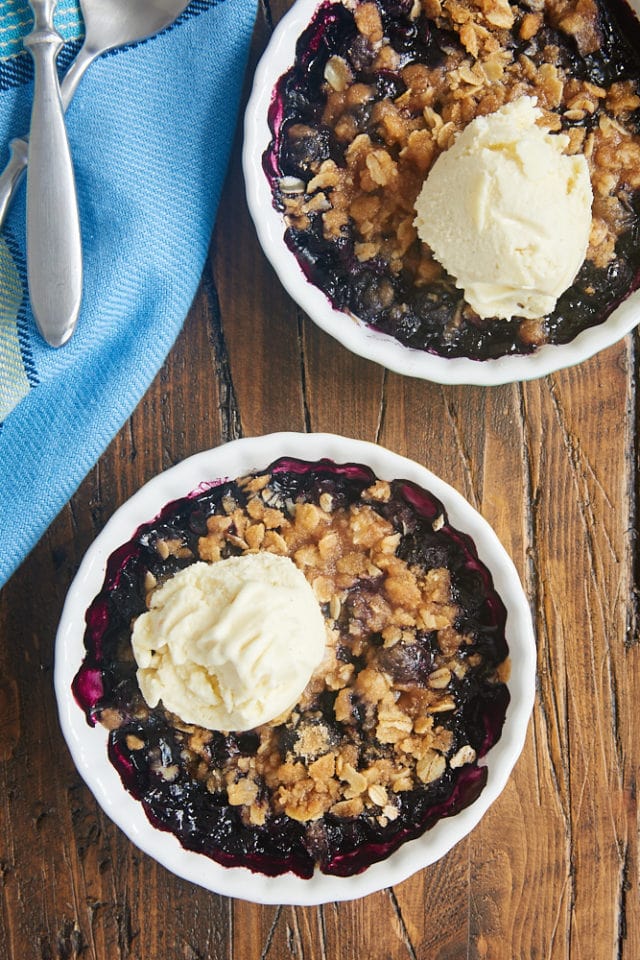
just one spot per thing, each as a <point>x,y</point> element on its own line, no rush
<point>552,871</point>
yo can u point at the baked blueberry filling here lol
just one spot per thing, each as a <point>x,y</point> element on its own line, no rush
<point>357,123</point>
<point>387,737</point>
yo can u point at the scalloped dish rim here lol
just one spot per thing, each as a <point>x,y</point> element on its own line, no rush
<point>351,332</point>
<point>88,745</point>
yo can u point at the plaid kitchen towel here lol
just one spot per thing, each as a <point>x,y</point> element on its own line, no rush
<point>150,131</point>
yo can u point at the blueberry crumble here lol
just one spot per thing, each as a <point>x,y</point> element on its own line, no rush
<point>380,88</point>
<point>387,736</point>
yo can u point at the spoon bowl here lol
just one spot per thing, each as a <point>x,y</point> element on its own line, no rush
<point>116,23</point>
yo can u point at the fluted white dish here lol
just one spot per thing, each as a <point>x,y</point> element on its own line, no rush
<point>351,332</point>
<point>88,745</point>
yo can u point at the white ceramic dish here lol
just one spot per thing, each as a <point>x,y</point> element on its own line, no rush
<point>88,745</point>
<point>351,332</point>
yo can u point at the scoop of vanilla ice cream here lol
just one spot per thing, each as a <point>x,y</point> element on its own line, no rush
<point>507,213</point>
<point>232,644</point>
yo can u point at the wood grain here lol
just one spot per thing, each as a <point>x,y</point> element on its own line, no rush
<point>552,871</point>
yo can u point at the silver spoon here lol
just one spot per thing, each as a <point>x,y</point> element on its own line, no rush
<point>54,247</point>
<point>108,24</point>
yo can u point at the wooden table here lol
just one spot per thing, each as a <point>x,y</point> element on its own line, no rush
<point>553,869</point>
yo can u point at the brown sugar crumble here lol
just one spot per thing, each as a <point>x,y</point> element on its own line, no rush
<point>356,134</point>
<point>339,551</point>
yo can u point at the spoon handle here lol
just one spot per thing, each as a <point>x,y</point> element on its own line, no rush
<point>54,249</point>
<point>14,171</point>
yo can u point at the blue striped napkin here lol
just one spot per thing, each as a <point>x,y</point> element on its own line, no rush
<point>150,130</point>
